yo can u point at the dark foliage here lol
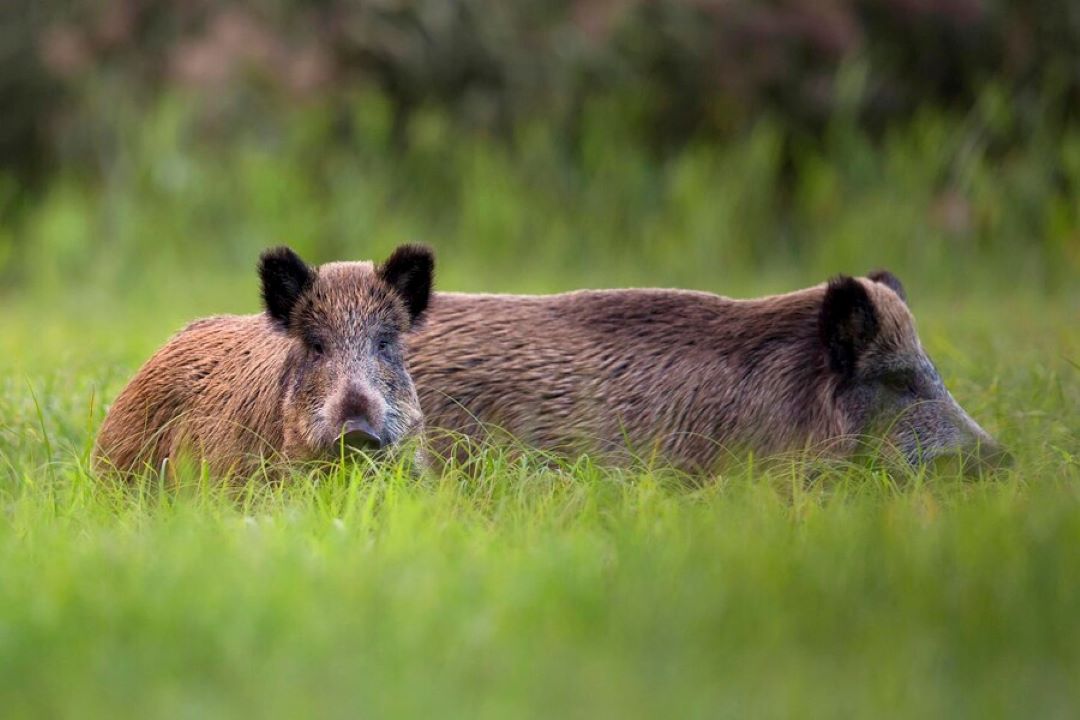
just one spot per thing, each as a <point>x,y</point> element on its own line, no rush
<point>685,69</point>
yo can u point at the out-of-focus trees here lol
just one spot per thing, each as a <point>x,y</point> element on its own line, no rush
<point>681,69</point>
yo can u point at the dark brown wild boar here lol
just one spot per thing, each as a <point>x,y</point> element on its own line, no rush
<point>692,377</point>
<point>322,366</point>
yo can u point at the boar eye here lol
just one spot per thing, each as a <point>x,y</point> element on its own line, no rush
<point>384,345</point>
<point>316,347</point>
<point>901,380</point>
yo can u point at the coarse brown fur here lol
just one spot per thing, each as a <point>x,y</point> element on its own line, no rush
<point>287,384</point>
<point>688,377</point>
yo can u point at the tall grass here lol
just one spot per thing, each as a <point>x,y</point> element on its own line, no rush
<point>538,592</point>
<point>521,586</point>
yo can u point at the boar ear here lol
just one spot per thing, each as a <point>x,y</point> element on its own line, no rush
<point>847,324</point>
<point>409,270</point>
<point>284,277</point>
<point>890,281</point>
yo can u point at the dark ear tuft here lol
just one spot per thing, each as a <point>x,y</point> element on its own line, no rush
<point>410,270</point>
<point>848,323</point>
<point>284,277</point>
<point>889,280</point>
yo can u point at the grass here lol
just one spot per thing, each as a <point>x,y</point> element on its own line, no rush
<point>527,589</point>
<point>543,595</point>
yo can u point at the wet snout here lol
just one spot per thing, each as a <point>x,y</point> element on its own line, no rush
<point>360,434</point>
<point>973,448</point>
<point>980,451</point>
<point>986,458</point>
<point>362,420</point>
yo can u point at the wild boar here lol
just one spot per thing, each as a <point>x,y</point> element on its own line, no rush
<point>691,377</point>
<point>322,367</point>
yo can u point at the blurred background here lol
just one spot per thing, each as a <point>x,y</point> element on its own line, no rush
<point>147,146</point>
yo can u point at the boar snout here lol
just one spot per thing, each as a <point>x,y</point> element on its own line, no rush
<point>961,443</point>
<point>362,420</point>
<point>986,456</point>
<point>982,453</point>
<point>358,433</point>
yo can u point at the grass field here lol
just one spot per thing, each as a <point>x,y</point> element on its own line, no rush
<point>531,590</point>
<point>578,592</point>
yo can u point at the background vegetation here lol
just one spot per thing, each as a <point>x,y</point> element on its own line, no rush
<point>149,150</point>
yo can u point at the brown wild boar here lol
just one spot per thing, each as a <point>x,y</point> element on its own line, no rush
<point>691,377</point>
<point>322,366</point>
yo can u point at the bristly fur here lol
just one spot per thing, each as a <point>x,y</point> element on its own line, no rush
<point>690,376</point>
<point>848,323</point>
<point>233,390</point>
<point>410,272</point>
<point>285,278</point>
<point>890,281</point>
<point>685,378</point>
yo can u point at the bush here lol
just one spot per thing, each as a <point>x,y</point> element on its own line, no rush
<point>682,69</point>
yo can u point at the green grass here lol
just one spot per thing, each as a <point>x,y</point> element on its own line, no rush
<point>529,589</point>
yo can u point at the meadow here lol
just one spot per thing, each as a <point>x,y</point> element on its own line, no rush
<point>533,589</point>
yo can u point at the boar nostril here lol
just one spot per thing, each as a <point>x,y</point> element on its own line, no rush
<point>358,433</point>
